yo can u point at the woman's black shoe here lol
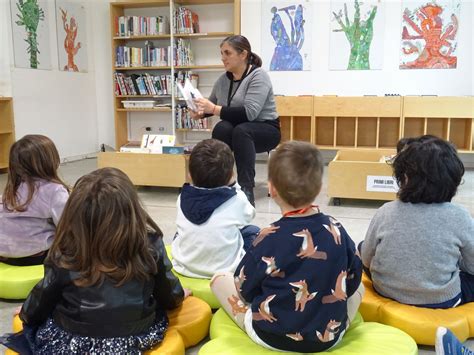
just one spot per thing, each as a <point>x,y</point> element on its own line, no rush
<point>249,193</point>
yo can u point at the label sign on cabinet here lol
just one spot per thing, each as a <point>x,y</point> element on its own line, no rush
<point>381,184</point>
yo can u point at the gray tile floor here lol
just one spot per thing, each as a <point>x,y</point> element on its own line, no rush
<point>355,215</point>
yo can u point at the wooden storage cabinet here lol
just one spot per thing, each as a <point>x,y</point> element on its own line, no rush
<point>349,170</point>
<point>7,130</point>
<point>365,122</point>
<point>450,118</point>
<point>296,117</point>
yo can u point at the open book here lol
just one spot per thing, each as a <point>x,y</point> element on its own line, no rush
<point>189,93</point>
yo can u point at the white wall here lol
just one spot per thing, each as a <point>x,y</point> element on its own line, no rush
<point>61,105</point>
<point>390,80</point>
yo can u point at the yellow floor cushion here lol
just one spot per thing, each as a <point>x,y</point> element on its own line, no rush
<point>200,287</point>
<point>16,282</point>
<point>420,323</point>
<point>362,338</point>
<point>188,325</point>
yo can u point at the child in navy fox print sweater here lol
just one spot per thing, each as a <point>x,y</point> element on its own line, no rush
<point>298,287</point>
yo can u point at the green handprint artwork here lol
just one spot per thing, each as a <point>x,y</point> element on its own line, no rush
<point>359,33</point>
<point>29,15</point>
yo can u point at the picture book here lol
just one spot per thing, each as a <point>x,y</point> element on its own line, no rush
<point>189,93</point>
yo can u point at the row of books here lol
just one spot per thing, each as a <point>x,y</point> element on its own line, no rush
<point>145,84</point>
<point>183,55</point>
<point>142,57</point>
<point>148,84</point>
<point>127,26</point>
<point>184,120</point>
<point>185,21</point>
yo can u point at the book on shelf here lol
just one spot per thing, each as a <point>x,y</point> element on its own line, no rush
<point>129,26</point>
<point>189,93</point>
<point>142,84</point>
<point>186,21</point>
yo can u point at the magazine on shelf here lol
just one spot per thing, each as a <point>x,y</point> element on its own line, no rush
<point>189,93</point>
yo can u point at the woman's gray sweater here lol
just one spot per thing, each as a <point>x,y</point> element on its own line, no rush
<point>254,94</point>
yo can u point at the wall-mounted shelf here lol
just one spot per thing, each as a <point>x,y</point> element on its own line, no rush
<point>7,130</point>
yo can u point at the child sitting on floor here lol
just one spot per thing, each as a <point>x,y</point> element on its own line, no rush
<point>213,219</point>
<point>108,281</point>
<point>32,202</point>
<point>419,249</point>
<point>298,287</point>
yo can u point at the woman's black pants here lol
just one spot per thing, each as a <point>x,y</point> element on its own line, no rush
<point>246,139</point>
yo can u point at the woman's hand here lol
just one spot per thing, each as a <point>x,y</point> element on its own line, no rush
<point>205,106</point>
<point>195,115</point>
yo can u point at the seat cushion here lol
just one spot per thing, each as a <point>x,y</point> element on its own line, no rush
<point>188,325</point>
<point>200,287</point>
<point>419,323</point>
<point>16,282</point>
<point>362,338</point>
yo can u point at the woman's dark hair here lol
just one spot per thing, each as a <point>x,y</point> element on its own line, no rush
<point>240,44</point>
<point>428,170</point>
<point>211,164</point>
<point>103,231</point>
<point>31,158</point>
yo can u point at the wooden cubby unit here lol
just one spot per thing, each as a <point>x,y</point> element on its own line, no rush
<point>7,130</point>
<point>450,118</point>
<point>357,122</point>
<point>296,117</point>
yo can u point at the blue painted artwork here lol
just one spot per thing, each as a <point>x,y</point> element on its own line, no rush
<point>287,52</point>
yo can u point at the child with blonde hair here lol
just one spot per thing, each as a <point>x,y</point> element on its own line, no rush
<point>32,202</point>
<point>298,287</point>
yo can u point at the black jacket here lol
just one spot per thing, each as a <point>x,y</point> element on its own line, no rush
<point>104,310</point>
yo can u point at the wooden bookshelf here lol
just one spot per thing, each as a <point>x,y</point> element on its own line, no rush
<point>163,169</point>
<point>357,122</point>
<point>296,117</point>
<point>375,122</point>
<point>7,130</point>
<point>451,118</point>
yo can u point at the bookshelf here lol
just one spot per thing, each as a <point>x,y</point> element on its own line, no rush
<point>451,118</point>
<point>370,122</point>
<point>7,130</point>
<point>143,53</point>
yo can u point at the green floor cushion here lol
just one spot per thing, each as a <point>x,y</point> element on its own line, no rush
<point>16,282</point>
<point>200,287</point>
<point>362,338</point>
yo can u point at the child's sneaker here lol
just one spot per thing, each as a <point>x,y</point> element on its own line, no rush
<point>448,344</point>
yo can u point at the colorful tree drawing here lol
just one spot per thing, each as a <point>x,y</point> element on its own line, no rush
<point>359,34</point>
<point>286,55</point>
<point>30,14</point>
<point>429,39</point>
<point>69,46</point>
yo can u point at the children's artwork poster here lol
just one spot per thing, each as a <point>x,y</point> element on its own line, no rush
<point>286,35</point>
<point>30,30</point>
<point>357,35</point>
<point>429,34</point>
<point>72,36</point>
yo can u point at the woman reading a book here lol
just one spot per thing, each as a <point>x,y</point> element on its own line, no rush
<point>243,98</point>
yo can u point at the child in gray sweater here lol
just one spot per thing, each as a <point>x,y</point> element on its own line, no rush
<point>420,249</point>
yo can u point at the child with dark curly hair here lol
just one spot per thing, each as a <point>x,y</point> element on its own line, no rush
<point>419,249</point>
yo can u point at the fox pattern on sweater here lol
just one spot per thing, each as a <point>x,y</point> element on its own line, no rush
<point>297,277</point>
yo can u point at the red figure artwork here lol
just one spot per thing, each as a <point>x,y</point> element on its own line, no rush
<point>69,41</point>
<point>427,42</point>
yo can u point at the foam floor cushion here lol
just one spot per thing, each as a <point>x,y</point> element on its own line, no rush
<point>200,287</point>
<point>419,323</point>
<point>16,282</point>
<point>362,338</point>
<point>188,325</point>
